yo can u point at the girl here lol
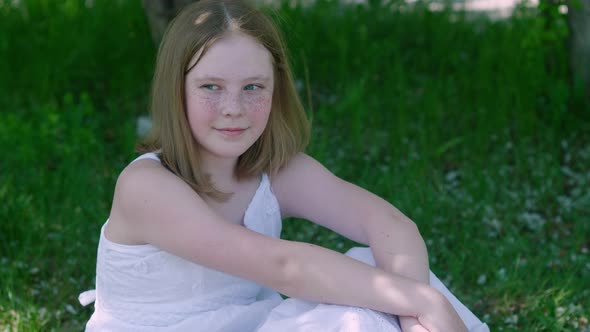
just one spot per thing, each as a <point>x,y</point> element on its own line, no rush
<point>192,240</point>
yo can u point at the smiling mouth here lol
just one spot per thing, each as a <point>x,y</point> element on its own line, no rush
<point>231,131</point>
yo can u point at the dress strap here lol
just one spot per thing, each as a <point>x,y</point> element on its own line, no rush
<point>149,155</point>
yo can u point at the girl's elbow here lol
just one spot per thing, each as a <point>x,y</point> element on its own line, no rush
<point>412,227</point>
<point>411,231</point>
<point>393,227</point>
<point>404,223</point>
<point>286,276</point>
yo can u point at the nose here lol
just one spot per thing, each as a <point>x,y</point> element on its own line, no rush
<point>232,105</point>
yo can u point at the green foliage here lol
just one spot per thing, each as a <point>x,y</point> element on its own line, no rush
<point>52,47</point>
<point>468,126</point>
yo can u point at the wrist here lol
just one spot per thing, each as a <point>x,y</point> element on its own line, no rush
<point>431,300</point>
<point>411,324</point>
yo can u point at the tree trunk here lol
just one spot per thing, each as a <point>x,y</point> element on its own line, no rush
<point>159,13</point>
<point>578,18</point>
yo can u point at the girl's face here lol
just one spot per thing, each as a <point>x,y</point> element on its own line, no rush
<point>229,95</point>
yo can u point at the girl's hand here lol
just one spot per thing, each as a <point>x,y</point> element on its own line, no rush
<point>411,324</point>
<point>440,316</point>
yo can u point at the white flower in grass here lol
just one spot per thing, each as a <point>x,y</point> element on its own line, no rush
<point>554,262</point>
<point>452,176</point>
<point>481,279</point>
<point>70,309</point>
<point>511,320</point>
<point>564,144</point>
<point>495,227</point>
<point>533,221</point>
<point>520,261</point>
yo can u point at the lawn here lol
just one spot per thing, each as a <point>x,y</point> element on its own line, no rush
<point>468,126</point>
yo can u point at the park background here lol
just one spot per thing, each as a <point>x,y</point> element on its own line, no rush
<point>471,126</point>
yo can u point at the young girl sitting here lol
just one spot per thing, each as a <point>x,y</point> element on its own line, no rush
<point>192,241</point>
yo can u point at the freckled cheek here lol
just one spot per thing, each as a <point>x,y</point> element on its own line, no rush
<point>208,105</point>
<point>202,112</point>
<point>259,105</point>
<point>204,109</point>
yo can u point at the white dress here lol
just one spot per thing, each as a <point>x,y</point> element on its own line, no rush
<point>143,288</point>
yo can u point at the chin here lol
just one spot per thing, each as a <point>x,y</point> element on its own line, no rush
<point>231,153</point>
<point>227,150</point>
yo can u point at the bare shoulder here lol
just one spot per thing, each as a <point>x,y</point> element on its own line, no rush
<point>299,166</point>
<point>140,182</point>
<point>139,176</point>
<point>297,178</point>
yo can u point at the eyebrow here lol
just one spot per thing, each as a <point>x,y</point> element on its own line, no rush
<point>218,79</point>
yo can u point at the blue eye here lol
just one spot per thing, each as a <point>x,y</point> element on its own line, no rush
<point>210,87</point>
<point>251,87</point>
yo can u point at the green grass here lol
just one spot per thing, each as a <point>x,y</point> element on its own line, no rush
<point>470,127</point>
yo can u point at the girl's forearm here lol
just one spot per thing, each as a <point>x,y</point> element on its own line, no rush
<point>398,247</point>
<point>318,274</point>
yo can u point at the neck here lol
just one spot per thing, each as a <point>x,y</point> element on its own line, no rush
<point>221,170</point>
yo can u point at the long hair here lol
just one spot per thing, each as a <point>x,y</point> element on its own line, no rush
<point>194,30</point>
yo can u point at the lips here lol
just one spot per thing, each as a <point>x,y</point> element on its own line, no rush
<point>232,132</point>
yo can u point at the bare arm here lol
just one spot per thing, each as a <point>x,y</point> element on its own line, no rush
<point>306,189</point>
<point>152,205</point>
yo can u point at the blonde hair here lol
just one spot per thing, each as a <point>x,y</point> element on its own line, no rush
<point>193,31</point>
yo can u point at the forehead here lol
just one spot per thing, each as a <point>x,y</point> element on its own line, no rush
<point>234,56</point>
